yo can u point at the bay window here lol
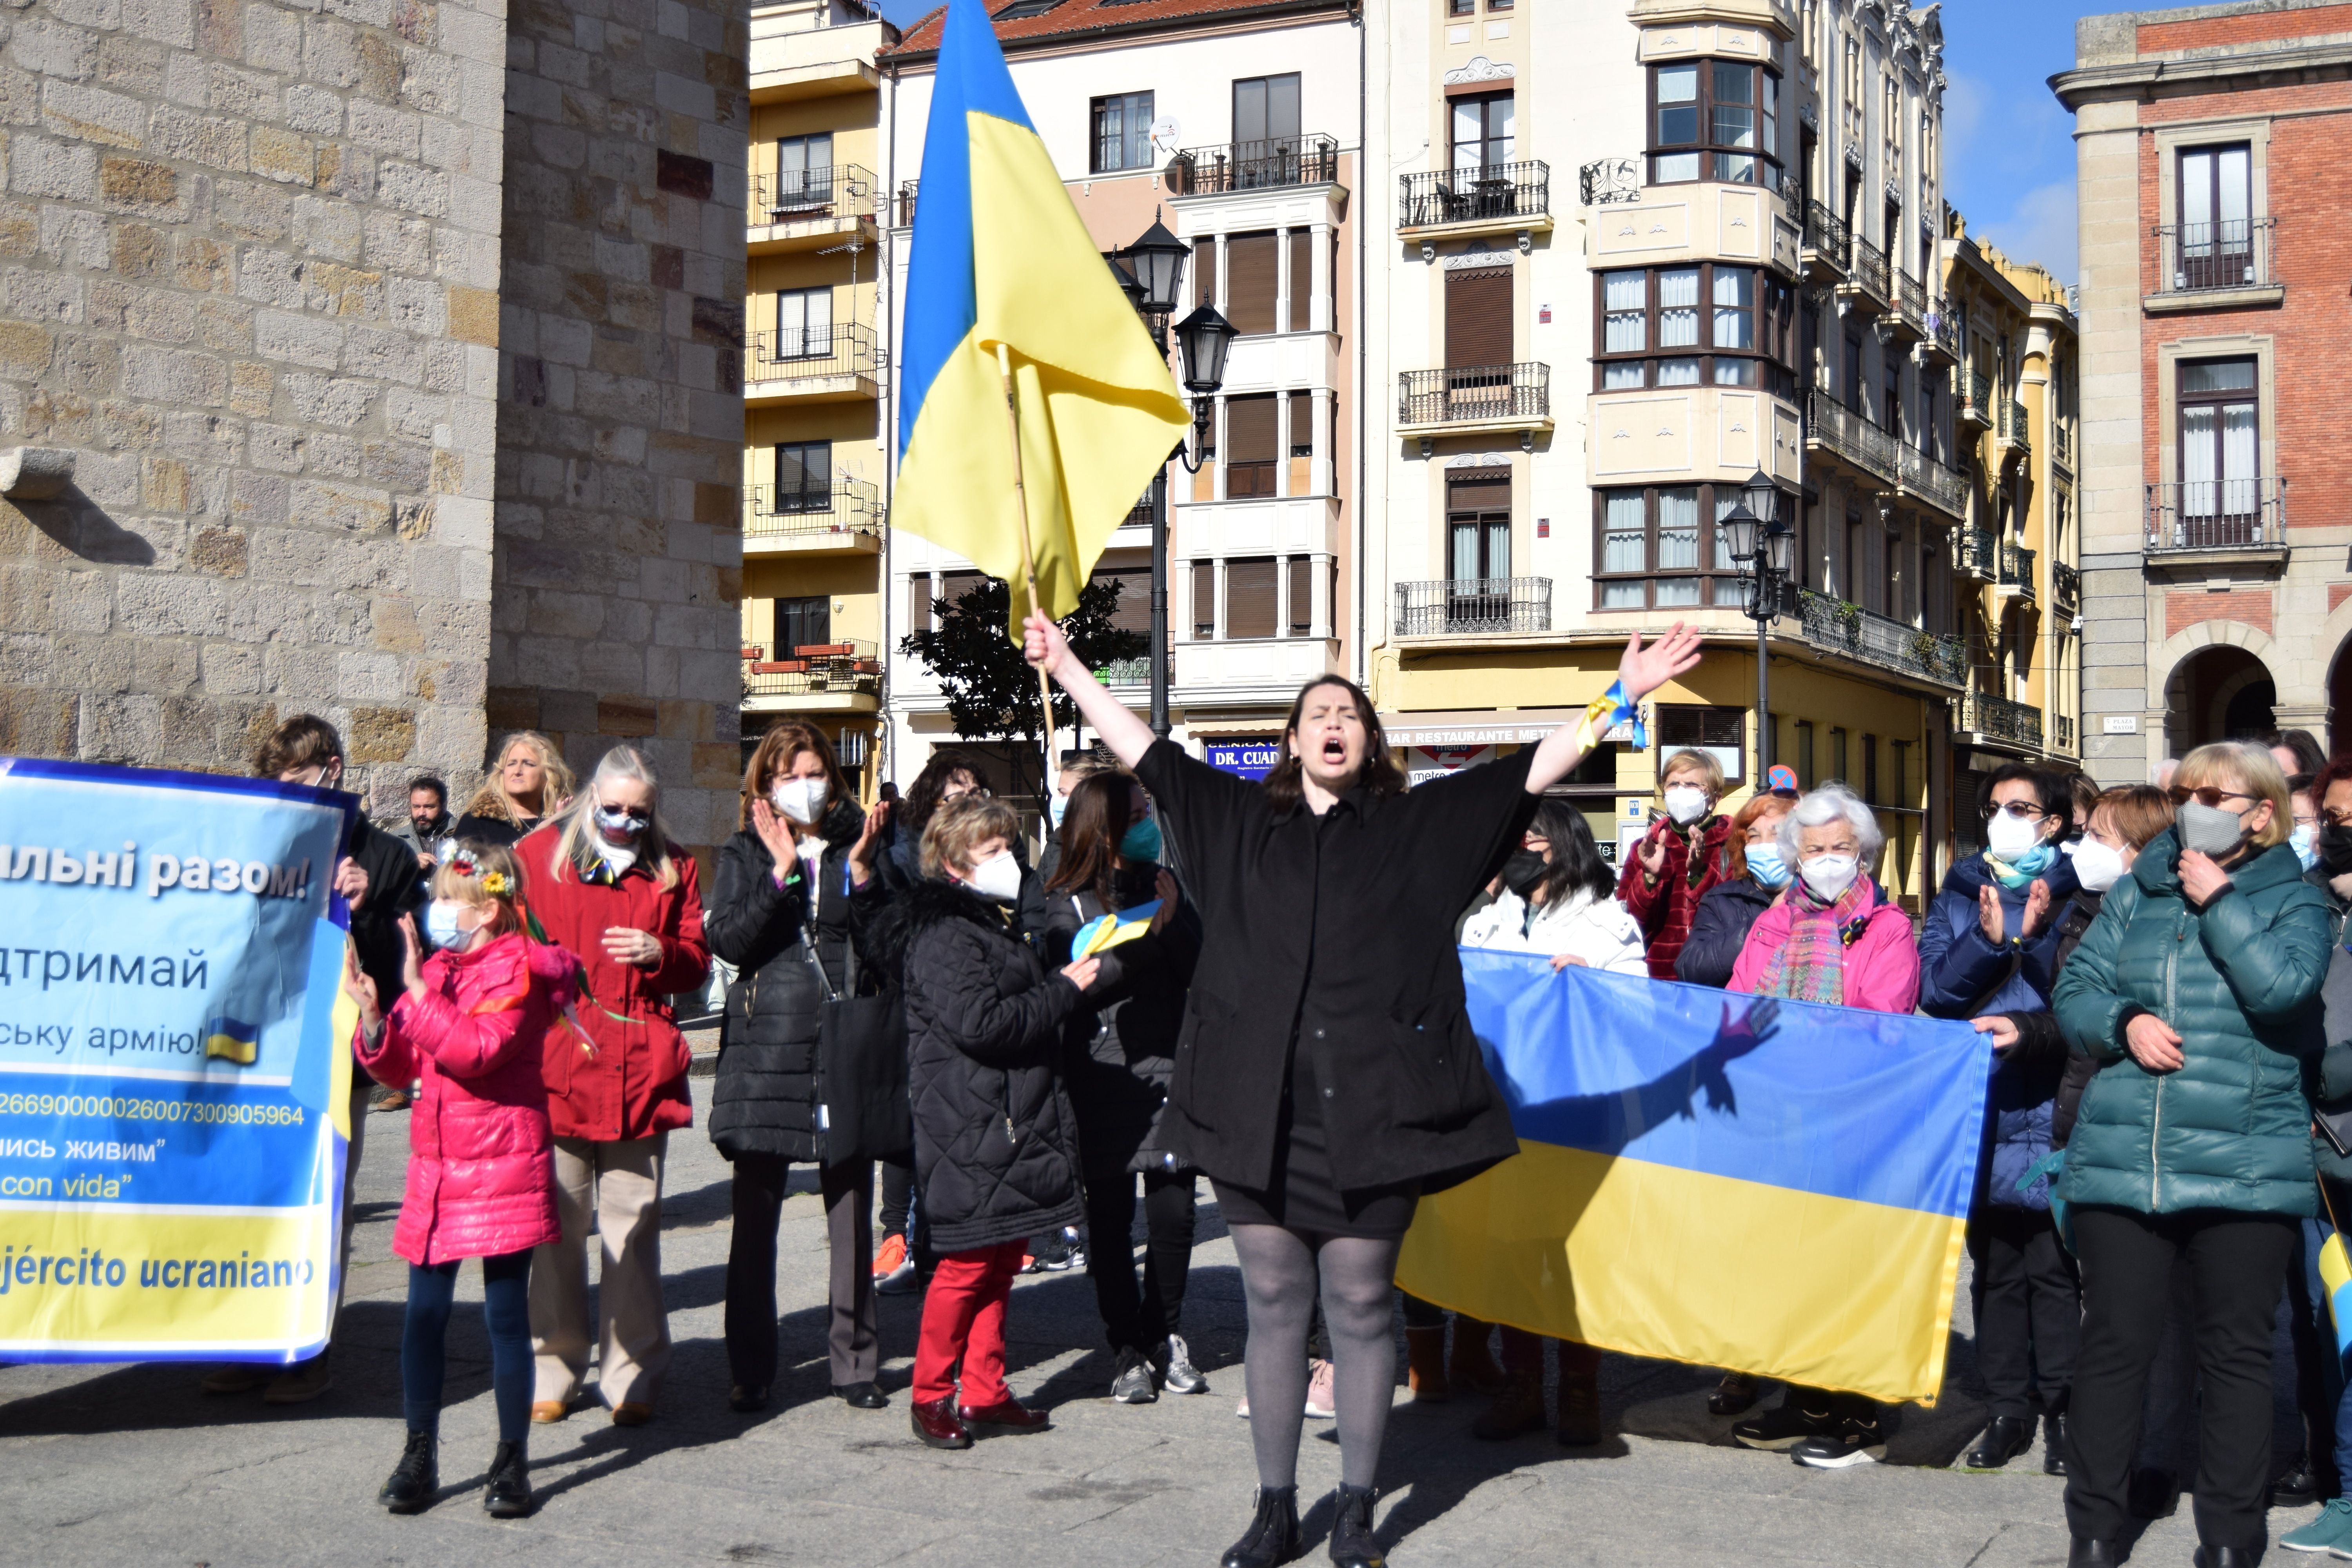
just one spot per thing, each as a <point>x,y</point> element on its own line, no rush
<point>1664,547</point>
<point>1715,119</point>
<point>1710,325</point>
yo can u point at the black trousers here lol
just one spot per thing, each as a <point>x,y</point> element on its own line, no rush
<point>2239,1264</point>
<point>897,1195</point>
<point>2029,1309</point>
<point>852,1339</point>
<point>1133,1319</point>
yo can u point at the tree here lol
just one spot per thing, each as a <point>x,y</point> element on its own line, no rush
<point>991,690</point>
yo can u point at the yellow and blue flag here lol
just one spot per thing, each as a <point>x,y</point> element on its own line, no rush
<point>1001,257</point>
<point>2336,1273</point>
<point>1117,929</point>
<point>1775,1187</point>
<point>229,1040</point>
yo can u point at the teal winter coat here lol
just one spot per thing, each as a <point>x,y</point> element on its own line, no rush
<point>2239,982</point>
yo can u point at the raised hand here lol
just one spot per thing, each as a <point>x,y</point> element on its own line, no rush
<point>861,854</point>
<point>1651,853</point>
<point>1989,916</point>
<point>775,833</point>
<point>2037,909</point>
<point>1644,670</point>
<point>1042,644</point>
<point>412,957</point>
<point>361,989</point>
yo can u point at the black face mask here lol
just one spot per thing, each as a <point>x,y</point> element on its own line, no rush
<point>2336,849</point>
<point>1525,872</point>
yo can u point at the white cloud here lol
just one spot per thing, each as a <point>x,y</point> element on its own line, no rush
<point>2038,227</point>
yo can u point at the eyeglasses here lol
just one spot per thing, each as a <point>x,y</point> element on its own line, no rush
<point>2334,818</point>
<point>2023,810</point>
<point>2210,796</point>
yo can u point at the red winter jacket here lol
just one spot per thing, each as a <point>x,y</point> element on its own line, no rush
<point>1665,910</point>
<point>633,1085</point>
<point>481,1177</point>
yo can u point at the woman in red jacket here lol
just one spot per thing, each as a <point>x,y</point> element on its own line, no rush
<point>605,882</point>
<point>1678,859</point>
<point>469,1025</point>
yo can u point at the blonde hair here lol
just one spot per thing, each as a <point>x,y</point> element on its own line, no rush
<point>492,801</point>
<point>2250,766</point>
<point>576,845</point>
<point>775,753</point>
<point>479,873</point>
<point>1710,772</point>
<point>960,825</point>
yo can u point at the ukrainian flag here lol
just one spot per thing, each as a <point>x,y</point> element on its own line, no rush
<point>1774,1187</point>
<point>233,1041</point>
<point>1000,258</point>
<point>2336,1273</point>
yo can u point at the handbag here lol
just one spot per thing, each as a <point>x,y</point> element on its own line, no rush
<point>861,1108</point>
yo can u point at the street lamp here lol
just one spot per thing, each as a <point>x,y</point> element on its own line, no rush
<point>1765,550</point>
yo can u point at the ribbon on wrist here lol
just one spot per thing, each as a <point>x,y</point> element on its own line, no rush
<point>1606,712</point>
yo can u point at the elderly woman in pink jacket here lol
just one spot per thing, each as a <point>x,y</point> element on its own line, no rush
<point>470,1024</point>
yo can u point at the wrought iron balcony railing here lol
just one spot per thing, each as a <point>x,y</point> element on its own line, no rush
<point>811,195</point>
<point>1973,394</point>
<point>2062,447</point>
<point>1474,605</point>
<point>849,667</point>
<point>1132,671</point>
<point>1826,234</point>
<point>2019,723</point>
<point>1943,486</point>
<point>1309,160</point>
<point>1831,423</point>
<point>904,218</point>
<point>1835,627</point>
<point>1609,182</point>
<point>1977,553</point>
<point>1943,330</point>
<point>2066,587</point>
<point>2217,515</point>
<point>1868,270</point>
<point>2013,430</point>
<point>1912,296</point>
<point>798,354</point>
<point>1460,395</point>
<point>2202,258</point>
<point>1498,193</point>
<point>844,506</point>
<point>2017,568</point>
<point>2064,728</point>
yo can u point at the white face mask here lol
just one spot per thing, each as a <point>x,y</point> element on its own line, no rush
<point>998,878</point>
<point>799,799</point>
<point>2097,867</point>
<point>1686,804</point>
<point>1829,876</point>
<point>2010,836</point>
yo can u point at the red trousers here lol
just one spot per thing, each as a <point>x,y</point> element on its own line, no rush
<point>1523,1355</point>
<point>964,1315</point>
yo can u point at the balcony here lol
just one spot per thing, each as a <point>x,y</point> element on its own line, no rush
<point>1475,606</point>
<point>1976,555</point>
<point>1939,338</point>
<point>2216,266</point>
<point>808,209</point>
<point>2066,590</point>
<point>1930,479</point>
<point>1832,625</point>
<point>1986,718</point>
<point>1309,160</point>
<point>842,518</point>
<point>1972,398</point>
<point>838,678</point>
<point>2062,448</point>
<point>1500,198</point>
<point>2245,518</point>
<point>1909,323</point>
<point>1827,247</point>
<point>794,365</point>
<point>1867,287</point>
<point>904,203</point>
<point>2064,731</point>
<point>1830,426</point>
<point>2009,430</point>
<point>2017,570</point>
<point>1609,182</point>
<point>1136,671</point>
<point>1479,397</point>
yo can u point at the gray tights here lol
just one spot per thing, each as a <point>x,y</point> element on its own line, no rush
<point>1279,1272</point>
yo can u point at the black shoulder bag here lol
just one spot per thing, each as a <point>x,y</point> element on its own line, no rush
<point>862,1110</point>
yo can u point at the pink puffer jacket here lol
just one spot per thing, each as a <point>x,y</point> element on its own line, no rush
<point>481,1168</point>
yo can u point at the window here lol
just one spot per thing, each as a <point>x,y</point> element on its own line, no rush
<point>1890,405</point>
<point>1870,770</point>
<point>803,477</point>
<point>1714,120</point>
<point>1302,425</point>
<point>1659,548</point>
<point>2216,217</point>
<point>1122,131</point>
<point>1483,135</point>
<point>1249,598</point>
<point>1852,388</point>
<point>1837,754</point>
<point>1720,733</point>
<point>918,602</point>
<point>1204,600</point>
<point>1478,325</point>
<point>1302,279</point>
<point>1250,446</point>
<point>1689,326</point>
<point>1460,7</point>
<point>803,173</point>
<point>1301,571</point>
<point>1204,272</point>
<point>803,323</point>
<point>1020,8</point>
<point>1804,728</point>
<point>1249,282</point>
<point>803,622</point>
<point>1478,551</point>
<point>1132,610</point>
<point>1266,131</point>
<point>2221,485</point>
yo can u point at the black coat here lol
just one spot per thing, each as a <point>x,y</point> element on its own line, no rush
<point>1335,933</point>
<point>2041,1046</point>
<point>1719,930</point>
<point>996,1144</point>
<point>394,890</point>
<point>1133,1012</point>
<point>764,1100</point>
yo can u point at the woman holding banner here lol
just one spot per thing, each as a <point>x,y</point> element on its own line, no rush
<point>1326,1074</point>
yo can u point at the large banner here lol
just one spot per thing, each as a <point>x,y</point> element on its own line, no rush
<point>173,1103</point>
<point>1774,1187</point>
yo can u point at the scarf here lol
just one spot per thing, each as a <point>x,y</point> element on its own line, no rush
<point>1810,966</point>
<point>2018,875</point>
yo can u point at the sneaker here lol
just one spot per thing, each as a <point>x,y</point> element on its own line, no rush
<point>1778,1429</point>
<point>1132,1385</point>
<point>1851,1443</point>
<point>906,1281</point>
<point>1319,1390</point>
<point>2333,1528</point>
<point>298,1383</point>
<point>1173,1361</point>
<point>890,1256</point>
<point>1028,1263</point>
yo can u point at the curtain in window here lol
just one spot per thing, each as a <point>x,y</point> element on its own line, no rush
<point>1677,545</point>
<point>2239,481</point>
<point>1624,541</point>
<point>1623,305</point>
<point>1678,308</point>
<point>2199,456</point>
<point>1735,308</point>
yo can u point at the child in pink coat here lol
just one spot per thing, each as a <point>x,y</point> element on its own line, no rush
<point>469,1025</point>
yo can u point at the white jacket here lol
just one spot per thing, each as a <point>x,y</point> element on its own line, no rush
<point>1599,931</point>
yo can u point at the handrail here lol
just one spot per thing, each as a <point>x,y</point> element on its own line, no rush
<point>1472,605</point>
<point>1272,163</point>
<point>1495,192</point>
<point>1462,394</point>
<point>811,195</point>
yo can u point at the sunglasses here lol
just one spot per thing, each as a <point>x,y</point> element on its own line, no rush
<point>2334,818</point>
<point>2211,795</point>
<point>2023,810</point>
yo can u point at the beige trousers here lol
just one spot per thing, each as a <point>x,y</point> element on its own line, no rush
<point>622,1183</point>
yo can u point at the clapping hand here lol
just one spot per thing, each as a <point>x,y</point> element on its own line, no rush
<point>412,957</point>
<point>775,833</point>
<point>2037,910</point>
<point>1651,853</point>
<point>1163,888</point>
<point>362,990</point>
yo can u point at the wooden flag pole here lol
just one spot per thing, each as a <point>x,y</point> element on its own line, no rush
<point>1028,563</point>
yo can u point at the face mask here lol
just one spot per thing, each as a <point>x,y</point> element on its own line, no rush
<point>2011,837</point>
<point>618,858</point>
<point>2208,829</point>
<point>1686,804</point>
<point>1829,876</point>
<point>2097,867</point>
<point>620,827</point>
<point>1055,806</point>
<point>998,878</point>
<point>2336,849</point>
<point>1764,864</point>
<point>441,927</point>
<point>1140,841</point>
<point>1523,872</point>
<point>2306,847</point>
<point>799,799</point>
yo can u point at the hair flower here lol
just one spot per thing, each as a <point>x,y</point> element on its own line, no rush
<point>496,884</point>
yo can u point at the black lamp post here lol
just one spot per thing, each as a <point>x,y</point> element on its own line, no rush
<point>1155,263</point>
<point>1764,549</point>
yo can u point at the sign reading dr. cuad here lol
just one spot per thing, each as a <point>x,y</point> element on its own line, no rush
<point>173,1082</point>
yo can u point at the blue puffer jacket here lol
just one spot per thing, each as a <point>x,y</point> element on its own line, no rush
<point>1962,974</point>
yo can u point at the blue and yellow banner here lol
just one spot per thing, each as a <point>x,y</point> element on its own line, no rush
<point>1771,1187</point>
<point>173,1083</point>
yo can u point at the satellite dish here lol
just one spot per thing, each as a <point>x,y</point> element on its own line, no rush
<point>1166,133</point>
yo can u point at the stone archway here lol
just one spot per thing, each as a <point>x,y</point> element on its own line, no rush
<point>2219,684</point>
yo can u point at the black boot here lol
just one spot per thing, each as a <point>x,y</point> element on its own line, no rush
<point>2229,1557</point>
<point>1353,1545</point>
<point>2086,1552</point>
<point>508,1494</point>
<point>414,1480</point>
<point>2005,1437</point>
<point>1272,1536</point>
<point>2053,1444</point>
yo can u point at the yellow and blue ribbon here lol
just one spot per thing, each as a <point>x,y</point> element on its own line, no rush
<point>1605,712</point>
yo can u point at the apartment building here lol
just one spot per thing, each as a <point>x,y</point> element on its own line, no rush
<point>2213,609</point>
<point>1234,125</point>
<point>815,367</point>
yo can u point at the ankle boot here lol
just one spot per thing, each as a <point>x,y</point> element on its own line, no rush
<point>1424,1354</point>
<point>1353,1545</point>
<point>1472,1366</point>
<point>508,1495</point>
<point>1271,1537</point>
<point>414,1480</point>
<point>1519,1408</point>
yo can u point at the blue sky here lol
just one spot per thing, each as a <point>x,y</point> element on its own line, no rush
<point>2008,150</point>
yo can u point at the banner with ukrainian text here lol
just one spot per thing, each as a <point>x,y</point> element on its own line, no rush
<point>173,1095</point>
<point>1772,1187</point>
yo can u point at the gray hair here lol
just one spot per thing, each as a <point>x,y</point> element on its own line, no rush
<point>1831,803</point>
<point>577,846</point>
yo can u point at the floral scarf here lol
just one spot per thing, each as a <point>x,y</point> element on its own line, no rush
<point>1810,966</point>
